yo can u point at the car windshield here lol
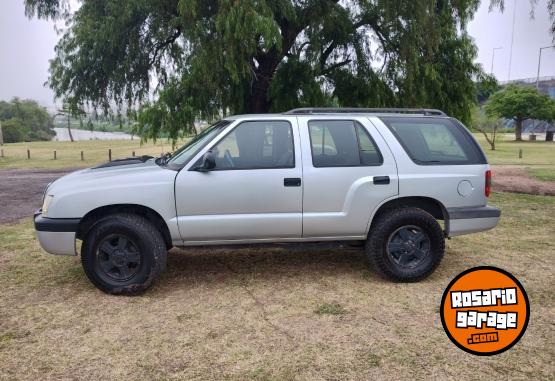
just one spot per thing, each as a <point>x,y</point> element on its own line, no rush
<point>184,153</point>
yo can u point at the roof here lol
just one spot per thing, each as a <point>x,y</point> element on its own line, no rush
<point>349,110</point>
<point>355,110</point>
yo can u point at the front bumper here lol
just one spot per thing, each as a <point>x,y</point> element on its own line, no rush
<point>471,220</point>
<point>56,235</point>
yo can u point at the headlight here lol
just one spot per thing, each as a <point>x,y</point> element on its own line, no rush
<point>46,190</point>
<point>46,204</point>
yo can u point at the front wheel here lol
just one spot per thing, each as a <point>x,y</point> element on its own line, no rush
<point>405,245</point>
<point>123,254</point>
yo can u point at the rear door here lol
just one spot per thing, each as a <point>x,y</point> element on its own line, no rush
<point>253,193</point>
<point>348,171</point>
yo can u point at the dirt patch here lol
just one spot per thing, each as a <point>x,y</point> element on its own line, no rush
<point>515,179</point>
<point>21,191</point>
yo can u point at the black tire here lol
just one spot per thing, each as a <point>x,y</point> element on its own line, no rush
<point>405,245</point>
<point>123,254</point>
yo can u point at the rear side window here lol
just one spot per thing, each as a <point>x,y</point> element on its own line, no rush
<point>342,143</point>
<point>434,141</point>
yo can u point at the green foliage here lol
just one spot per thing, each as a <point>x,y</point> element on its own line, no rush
<point>209,58</point>
<point>13,131</point>
<point>25,120</point>
<point>480,119</point>
<point>486,85</point>
<point>519,103</point>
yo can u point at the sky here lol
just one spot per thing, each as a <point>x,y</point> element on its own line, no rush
<point>26,46</point>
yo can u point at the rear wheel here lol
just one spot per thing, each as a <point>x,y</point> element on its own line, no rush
<point>123,254</point>
<point>405,245</point>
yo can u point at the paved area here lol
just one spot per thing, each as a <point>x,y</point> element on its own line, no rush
<point>21,191</point>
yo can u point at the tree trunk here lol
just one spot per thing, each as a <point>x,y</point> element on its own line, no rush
<point>69,128</point>
<point>257,101</point>
<point>518,129</point>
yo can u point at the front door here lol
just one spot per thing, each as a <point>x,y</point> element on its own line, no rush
<point>254,192</point>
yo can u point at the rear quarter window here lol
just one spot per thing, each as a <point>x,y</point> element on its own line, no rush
<point>435,141</point>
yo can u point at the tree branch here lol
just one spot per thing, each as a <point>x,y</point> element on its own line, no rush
<point>162,45</point>
<point>335,66</point>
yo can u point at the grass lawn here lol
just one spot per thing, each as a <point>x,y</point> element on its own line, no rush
<point>270,313</point>
<point>546,173</point>
<point>69,154</point>
<point>506,151</point>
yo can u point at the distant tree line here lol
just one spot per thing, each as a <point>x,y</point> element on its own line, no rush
<point>24,120</point>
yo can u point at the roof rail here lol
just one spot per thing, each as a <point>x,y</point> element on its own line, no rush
<point>352,110</point>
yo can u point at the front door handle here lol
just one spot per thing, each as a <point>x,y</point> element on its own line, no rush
<point>292,182</point>
<point>379,180</point>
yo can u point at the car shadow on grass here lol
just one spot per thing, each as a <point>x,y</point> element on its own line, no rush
<point>265,263</point>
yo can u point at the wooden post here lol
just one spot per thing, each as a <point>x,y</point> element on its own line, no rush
<point>110,154</point>
<point>520,153</point>
<point>82,156</point>
<point>54,154</point>
<point>133,154</point>
<point>1,136</point>
<point>28,153</point>
<point>2,152</point>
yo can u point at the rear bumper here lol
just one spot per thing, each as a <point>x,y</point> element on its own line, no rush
<point>471,220</point>
<point>56,235</point>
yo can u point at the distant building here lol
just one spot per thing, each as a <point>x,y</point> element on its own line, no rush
<point>546,85</point>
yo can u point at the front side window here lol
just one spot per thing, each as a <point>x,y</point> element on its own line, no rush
<point>342,143</point>
<point>256,145</point>
<point>435,141</point>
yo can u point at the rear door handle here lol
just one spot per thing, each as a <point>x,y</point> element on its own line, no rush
<point>379,180</point>
<point>292,182</point>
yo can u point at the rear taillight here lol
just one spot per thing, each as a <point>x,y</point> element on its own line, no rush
<point>487,189</point>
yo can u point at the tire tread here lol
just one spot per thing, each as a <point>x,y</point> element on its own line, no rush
<point>377,238</point>
<point>146,229</point>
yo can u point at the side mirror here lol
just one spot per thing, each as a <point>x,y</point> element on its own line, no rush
<point>208,162</point>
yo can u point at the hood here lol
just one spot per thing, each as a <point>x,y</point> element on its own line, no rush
<point>142,183</point>
<point>112,175</point>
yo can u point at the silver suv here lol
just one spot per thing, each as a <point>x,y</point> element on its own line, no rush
<point>382,177</point>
